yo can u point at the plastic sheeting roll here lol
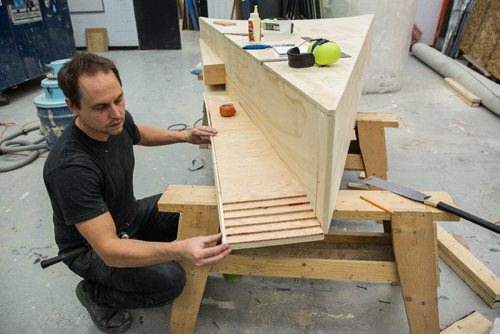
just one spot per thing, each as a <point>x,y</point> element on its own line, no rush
<point>488,91</point>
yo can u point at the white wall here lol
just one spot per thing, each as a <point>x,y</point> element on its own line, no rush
<point>118,18</point>
<point>427,17</point>
<point>219,9</point>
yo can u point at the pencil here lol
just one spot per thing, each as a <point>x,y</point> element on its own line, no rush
<point>377,205</point>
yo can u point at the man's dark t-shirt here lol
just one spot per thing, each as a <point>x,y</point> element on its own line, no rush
<point>86,178</point>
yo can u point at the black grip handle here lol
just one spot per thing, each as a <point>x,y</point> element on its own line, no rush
<point>465,215</point>
<point>56,259</point>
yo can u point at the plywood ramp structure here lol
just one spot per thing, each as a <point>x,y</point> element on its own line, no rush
<point>260,202</point>
<point>304,118</point>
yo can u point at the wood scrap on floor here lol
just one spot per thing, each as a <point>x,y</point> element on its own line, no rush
<point>481,279</point>
<point>474,323</point>
<point>462,92</point>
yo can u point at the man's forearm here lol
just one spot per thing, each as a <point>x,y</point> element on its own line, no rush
<point>151,136</point>
<point>137,253</point>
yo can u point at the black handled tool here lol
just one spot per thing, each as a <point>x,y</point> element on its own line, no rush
<point>64,255</point>
<point>428,200</point>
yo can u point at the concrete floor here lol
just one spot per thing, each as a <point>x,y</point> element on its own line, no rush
<point>442,145</point>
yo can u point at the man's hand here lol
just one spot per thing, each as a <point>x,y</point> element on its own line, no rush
<point>200,134</point>
<point>198,252</point>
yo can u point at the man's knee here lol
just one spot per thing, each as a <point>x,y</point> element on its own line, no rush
<point>164,277</point>
<point>176,279</point>
<point>167,285</point>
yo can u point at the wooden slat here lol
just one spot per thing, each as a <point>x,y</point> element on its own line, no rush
<point>265,203</point>
<point>474,323</point>
<point>481,279</point>
<point>270,219</point>
<point>281,226</point>
<point>267,211</point>
<point>275,238</point>
<point>462,92</point>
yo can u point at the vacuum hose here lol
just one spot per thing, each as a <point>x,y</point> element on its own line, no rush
<point>8,145</point>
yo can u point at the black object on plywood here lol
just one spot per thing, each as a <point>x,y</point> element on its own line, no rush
<point>157,24</point>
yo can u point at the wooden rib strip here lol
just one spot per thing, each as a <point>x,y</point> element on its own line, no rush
<point>269,236</point>
<point>265,203</point>
<point>271,227</point>
<point>268,211</point>
<point>269,219</point>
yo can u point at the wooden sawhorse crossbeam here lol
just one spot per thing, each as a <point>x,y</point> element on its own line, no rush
<point>390,258</point>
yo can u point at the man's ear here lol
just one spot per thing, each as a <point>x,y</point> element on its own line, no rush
<point>72,107</point>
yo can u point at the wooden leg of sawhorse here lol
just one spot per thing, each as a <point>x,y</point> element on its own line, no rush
<point>370,144</point>
<point>415,250</point>
<point>197,219</point>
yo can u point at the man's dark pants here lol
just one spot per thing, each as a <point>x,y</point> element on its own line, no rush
<point>137,287</point>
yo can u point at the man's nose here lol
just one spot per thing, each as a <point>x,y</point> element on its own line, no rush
<point>115,110</point>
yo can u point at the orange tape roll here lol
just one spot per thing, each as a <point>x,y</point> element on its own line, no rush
<point>227,110</point>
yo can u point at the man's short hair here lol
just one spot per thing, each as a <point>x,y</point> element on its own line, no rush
<point>82,63</point>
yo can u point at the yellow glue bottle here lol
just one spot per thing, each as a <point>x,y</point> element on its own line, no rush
<point>254,27</point>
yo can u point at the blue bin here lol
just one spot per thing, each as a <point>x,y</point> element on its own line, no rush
<point>54,116</point>
<point>52,90</point>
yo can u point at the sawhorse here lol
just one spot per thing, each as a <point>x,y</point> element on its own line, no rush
<point>367,151</point>
<point>407,255</point>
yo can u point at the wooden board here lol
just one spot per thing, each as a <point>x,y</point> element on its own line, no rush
<point>466,95</point>
<point>481,279</point>
<point>260,203</point>
<point>97,39</point>
<point>213,68</point>
<point>474,323</point>
<point>306,115</point>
